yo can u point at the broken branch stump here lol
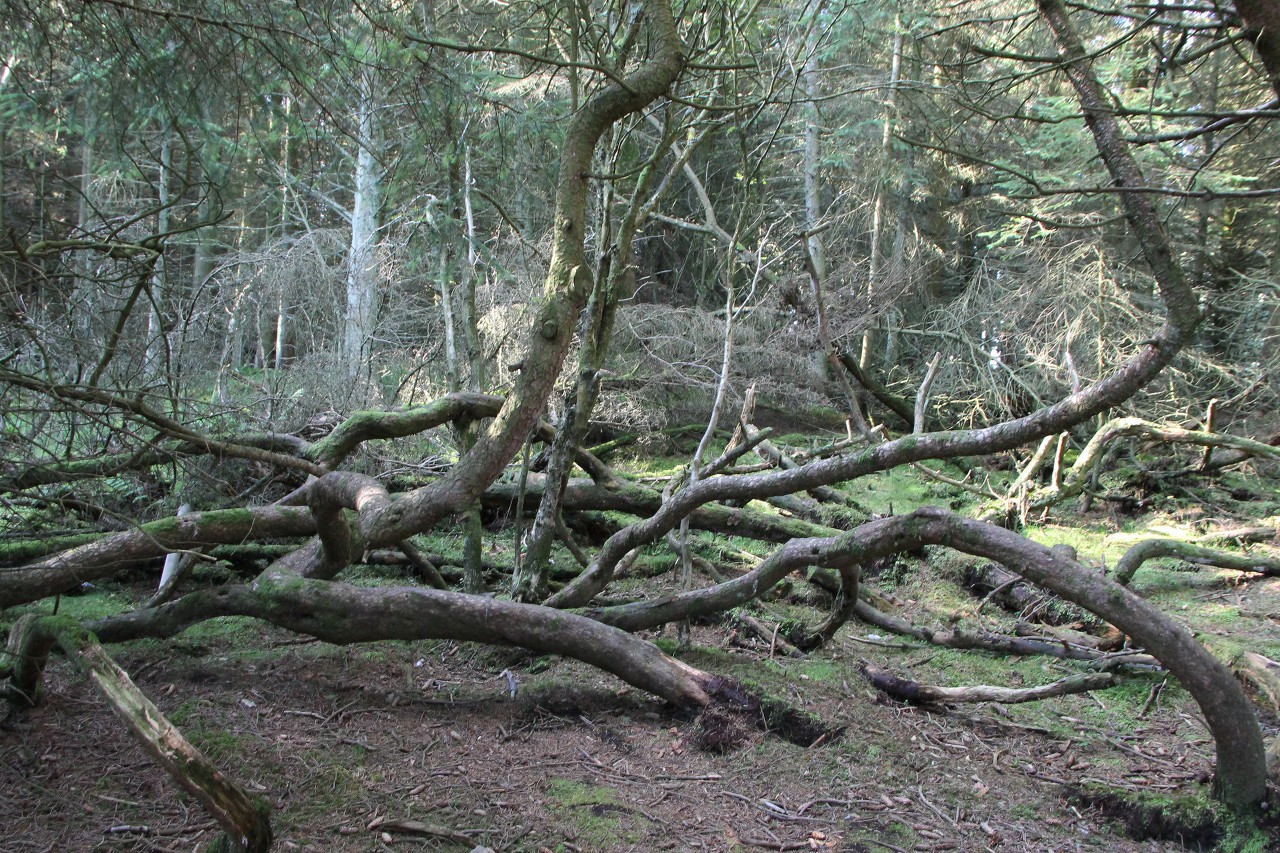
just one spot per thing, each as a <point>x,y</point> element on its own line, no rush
<point>244,820</point>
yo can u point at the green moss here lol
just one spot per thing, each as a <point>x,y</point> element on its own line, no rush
<point>571,793</point>
<point>224,630</point>
<point>190,712</point>
<point>97,602</point>
<point>1193,819</point>
<point>592,816</point>
<point>824,670</point>
<point>218,745</point>
<point>899,490</point>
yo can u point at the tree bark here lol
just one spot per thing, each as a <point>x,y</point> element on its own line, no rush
<point>362,259</point>
<point>341,613</point>
<point>108,556</point>
<point>1262,22</point>
<point>915,692</point>
<point>244,820</point>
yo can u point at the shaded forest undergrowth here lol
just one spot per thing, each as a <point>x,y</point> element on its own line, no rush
<point>446,745</point>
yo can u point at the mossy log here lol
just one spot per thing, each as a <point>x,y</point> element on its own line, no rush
<point>33,637</point>
<point>1150,549</point>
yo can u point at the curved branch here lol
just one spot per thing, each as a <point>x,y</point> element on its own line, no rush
<point>1150,549</point>
<point>1241,763</point>
<point>341,613</point>
<point>165,424</point>
<point>360,427</point>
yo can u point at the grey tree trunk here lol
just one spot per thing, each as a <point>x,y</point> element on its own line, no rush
<point>362,272</point>
<point>875,266</point>
<point>157,356</point>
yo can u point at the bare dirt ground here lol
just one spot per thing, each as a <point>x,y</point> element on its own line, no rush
<point>422,746</point>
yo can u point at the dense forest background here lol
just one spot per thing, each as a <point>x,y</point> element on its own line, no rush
<point>275,215</point>
<point>317,280</point>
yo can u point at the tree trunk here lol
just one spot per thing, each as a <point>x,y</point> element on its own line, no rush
<point>362,260</point>
<point>244,820</point>
<point>157,352</point>
<point>875,266</point>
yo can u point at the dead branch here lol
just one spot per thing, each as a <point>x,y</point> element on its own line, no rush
<point>1151,549</point>
<point>917,693</point>
<point>1077,477</point>
<point>244,820</point>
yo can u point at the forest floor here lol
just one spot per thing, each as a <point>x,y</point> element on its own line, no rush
<point>423,746</point>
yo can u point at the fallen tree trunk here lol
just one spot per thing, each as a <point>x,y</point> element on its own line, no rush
<point>341,613</point>
<point>917,693</point>
<point>244,820</point>
<point>109,555</point>
<point>1241,762</point>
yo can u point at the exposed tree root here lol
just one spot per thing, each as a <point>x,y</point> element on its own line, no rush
<point>1264,673</point>
<point>778,643</point>
<point>1111,640</point>
<point>736,709</point>
<point>1009,591</point>
<point>244,820</point>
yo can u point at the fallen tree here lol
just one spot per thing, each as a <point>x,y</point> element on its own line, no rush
<point>349,513</point>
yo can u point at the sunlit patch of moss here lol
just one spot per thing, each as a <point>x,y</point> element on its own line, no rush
<point>592,815</point>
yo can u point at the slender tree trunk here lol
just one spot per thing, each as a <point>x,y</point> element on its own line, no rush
<point>362,272</point>
<point>875,266</point>
<point>814,249</point>
<point>713,423</point>
<point>812,148</point>
<point>202,256</point>
<point>86,289</point>
<point>464,356</point>
<point>157,334</point>
<point>282,292</point>
<point>529,582</point>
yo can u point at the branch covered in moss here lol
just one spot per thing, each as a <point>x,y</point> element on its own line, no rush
<point>1151,549</point>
